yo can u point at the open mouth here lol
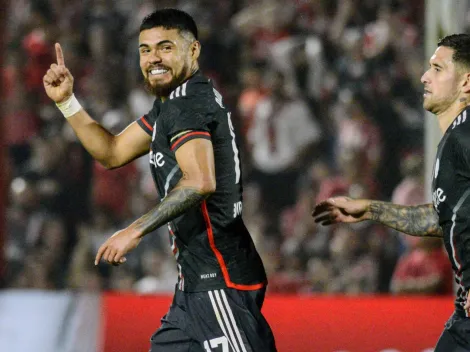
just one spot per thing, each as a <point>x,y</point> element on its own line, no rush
<point>158,71</point>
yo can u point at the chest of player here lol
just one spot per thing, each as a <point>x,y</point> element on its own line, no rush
<point>448,184</point>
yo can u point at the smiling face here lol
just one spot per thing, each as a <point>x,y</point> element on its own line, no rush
<point>441,81</point>
<point>167,58</point>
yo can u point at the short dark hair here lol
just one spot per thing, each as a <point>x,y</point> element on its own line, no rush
<point>169,18</point>
<point>460,43</point>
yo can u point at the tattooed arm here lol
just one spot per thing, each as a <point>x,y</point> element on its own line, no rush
<point>420,220</point>
<point>196,160</point>
<point>177,202</point>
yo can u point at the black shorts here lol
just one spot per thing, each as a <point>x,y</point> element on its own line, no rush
<point>456,335</point>
<point>222,320</point>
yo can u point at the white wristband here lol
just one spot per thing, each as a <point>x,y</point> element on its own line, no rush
<point>69,107</point>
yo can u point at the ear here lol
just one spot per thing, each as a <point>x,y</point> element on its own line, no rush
<point>195,50</point>
<point>466,82</point>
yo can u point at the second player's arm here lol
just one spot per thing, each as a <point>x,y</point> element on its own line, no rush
<point>110,150</point>
<point>419,220</point>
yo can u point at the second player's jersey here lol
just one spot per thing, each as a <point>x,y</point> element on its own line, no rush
<point>451,200</point>
<point>211,244</point>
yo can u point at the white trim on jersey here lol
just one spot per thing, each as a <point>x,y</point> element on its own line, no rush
<point>180,91</point>
<point>236,158</point>
<point>460,119</point>
<point>180,275</point>
<point>463,293</point>
<point>169,178</point>
<point>454,255</point>
<point>454,217</point>
<point>173,247</point>
<point>219,320</point>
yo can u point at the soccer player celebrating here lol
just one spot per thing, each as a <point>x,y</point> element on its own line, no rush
<point>447,95</point>
<point>195,163</point>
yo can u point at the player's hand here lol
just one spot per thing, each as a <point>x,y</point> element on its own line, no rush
<point>341,209</point>
<point>113,251</point>
<point>58,81</point>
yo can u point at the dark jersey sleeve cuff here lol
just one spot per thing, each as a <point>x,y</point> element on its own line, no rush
<point>145,125</point>
<point>187,137</point>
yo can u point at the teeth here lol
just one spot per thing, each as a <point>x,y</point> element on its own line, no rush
<point>158,71</point>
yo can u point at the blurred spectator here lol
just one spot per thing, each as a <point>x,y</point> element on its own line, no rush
<point>410,191</point>
<point>158,274</point>
<point>424,269</point>
<point>283,133</point>
<point>354,267</point>
<point>252,91</point>
<point>325,95</point>
<point>112,188</point>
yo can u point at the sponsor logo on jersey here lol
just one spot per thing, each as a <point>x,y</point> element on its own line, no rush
<point>438,196</point>
<point>156,159</point>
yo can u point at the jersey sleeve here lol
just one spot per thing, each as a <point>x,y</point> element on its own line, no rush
<point>147,121</point>
<point>465,154</point>
<point>461,230</point>
<point>461,146</point>
<point>189,118</point>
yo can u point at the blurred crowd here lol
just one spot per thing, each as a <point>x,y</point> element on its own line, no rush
<point>325,96</point>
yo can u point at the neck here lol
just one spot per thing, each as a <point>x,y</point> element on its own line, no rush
<point>446,117</point>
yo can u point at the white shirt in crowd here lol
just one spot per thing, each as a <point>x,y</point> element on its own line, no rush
<point>278,137</point>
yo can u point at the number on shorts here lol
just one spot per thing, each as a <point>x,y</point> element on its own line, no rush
<point>217,342</point>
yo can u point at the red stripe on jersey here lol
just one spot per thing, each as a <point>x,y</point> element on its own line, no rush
<point>219,257</point>
<point>146,123</point>
<point>179,140</point>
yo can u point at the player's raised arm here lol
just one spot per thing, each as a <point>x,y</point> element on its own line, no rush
<point>110,150</point>
<point>420,220</point>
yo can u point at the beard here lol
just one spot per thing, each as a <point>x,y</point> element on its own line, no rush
<point>429,106</point>
<point>164,90</point>
<point>437,105</point>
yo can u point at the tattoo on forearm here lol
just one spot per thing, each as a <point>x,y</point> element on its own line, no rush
<point>420,220</point>
<point>178,201</point>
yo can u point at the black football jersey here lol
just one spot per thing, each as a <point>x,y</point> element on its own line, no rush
<point>212,246</point>
<point>451,199</point>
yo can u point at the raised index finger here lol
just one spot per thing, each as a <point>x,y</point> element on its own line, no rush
<point>59,54</point>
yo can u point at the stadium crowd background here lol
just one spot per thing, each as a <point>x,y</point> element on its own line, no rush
<point>326,98</point>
